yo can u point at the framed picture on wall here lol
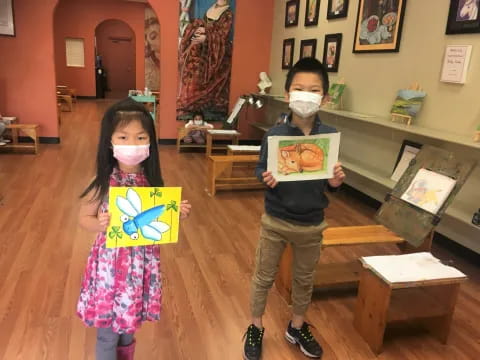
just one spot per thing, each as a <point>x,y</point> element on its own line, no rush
<point>311,12</point>
<point>308,48</point>
<point>7,25</point>
<point>331,51</point>
<point>337,9</point>
<point>292,9</point>
<point>287,55</point>
<point>463,17</point>
<point>379,25</point>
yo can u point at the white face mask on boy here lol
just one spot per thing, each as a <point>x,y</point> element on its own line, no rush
<point>305,103</point>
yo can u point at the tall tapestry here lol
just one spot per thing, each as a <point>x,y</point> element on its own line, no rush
<point>205,58</point>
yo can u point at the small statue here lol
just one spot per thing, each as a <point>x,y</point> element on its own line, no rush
<point>264,83</point>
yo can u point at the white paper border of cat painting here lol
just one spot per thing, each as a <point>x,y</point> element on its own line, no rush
<point>298,158</point>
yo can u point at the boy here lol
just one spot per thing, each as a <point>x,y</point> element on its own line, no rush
<point>294,214</point>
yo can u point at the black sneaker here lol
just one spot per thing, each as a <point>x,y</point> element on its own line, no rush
<point>304,338</point>
<point>252,350</point>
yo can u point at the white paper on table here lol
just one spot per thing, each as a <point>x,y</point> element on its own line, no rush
<point>223,132</point>
<point>298,158</point>
<point>244,147</point>
<point>410,267</point>
<point>409,153</point>
<point>429,190</point>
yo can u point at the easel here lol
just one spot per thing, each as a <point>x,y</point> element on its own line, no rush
<point>407,118</point>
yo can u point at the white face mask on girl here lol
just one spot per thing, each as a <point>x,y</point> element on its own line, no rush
<point>131,154</point>
<point>305,103</point>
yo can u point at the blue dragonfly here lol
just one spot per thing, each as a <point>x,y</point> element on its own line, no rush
<point>135,221</point>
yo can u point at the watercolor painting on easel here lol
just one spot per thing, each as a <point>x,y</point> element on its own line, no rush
<point>429,190</point>
<point>143,216</point>
<point>297,158</point>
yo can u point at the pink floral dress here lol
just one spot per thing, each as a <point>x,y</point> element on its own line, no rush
<point>121,287</point>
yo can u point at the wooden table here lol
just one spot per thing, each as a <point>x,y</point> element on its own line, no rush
<point>212,134</point>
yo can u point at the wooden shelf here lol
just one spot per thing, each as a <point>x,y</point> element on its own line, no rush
<point>412,129</point>
<point>368,173</point>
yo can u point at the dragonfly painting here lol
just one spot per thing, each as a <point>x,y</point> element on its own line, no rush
<point>139,219</point>
<point>131,206</point>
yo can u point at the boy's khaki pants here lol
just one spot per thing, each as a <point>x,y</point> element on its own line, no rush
<point>306,243</point>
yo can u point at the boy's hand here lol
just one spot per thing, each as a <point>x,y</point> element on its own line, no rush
<point>338,176</point>
<point>185,208</point>
<point>104,221</point>
<point>269,180</point>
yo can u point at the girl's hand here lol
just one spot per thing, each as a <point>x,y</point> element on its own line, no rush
<point>104,221</point>
<point>185,208</point>
<point>338,176</point>
<point>269,180</point>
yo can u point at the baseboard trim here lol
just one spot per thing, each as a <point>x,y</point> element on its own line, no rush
<point>87,97</point>
<point>43,140</point>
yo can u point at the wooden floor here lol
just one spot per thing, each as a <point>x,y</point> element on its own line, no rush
<point>207,274</point>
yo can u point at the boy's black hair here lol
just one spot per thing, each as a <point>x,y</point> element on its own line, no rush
<point>120,114</point>
<point>308,65</point>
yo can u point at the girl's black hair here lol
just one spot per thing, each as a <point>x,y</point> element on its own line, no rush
<point>308,65</point>
<point>198,113</point>
<point>120,114</point>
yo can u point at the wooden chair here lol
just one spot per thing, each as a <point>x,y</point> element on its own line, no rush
<point>181,133</point>
<point>220,173</point>
<point>341,274</point>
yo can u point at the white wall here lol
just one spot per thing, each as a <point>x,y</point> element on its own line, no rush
<point>374,78</point>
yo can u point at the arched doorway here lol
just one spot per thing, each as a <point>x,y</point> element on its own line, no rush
<point>115,52</point>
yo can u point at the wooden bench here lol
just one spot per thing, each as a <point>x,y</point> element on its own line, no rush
<point>341,274</point>
<point>181,133</point>
<point>220,171</point>
<point>29,130</point>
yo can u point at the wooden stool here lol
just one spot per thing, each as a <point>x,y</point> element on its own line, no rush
<point>232,135</point>
<point>335,274</point>
<point>220,173</point>
<point>381,300</point>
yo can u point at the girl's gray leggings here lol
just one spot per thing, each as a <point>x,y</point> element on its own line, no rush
<point>107,342</point>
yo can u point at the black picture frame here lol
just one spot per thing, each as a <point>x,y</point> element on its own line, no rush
<point>315,8</point>
<point>305,44</point>
<point>361,45</point>
<point>402,150</point>
<point>463,17</point>
<point>334,11</point>
<point>8,29</point>
<point>331,53</point>
<point>291,16</point>
<point>287,63</point>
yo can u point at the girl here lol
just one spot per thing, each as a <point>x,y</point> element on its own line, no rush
<point>198,127</point>
<point>121,287</point>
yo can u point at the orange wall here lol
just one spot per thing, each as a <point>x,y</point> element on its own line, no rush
<point>28,72</point>
<point>78,19</point>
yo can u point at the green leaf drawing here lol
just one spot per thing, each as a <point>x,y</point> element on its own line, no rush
<point>116,233</point>
<point>172,206</point>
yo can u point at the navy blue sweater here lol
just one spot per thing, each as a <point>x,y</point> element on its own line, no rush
<point>295,201</point>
